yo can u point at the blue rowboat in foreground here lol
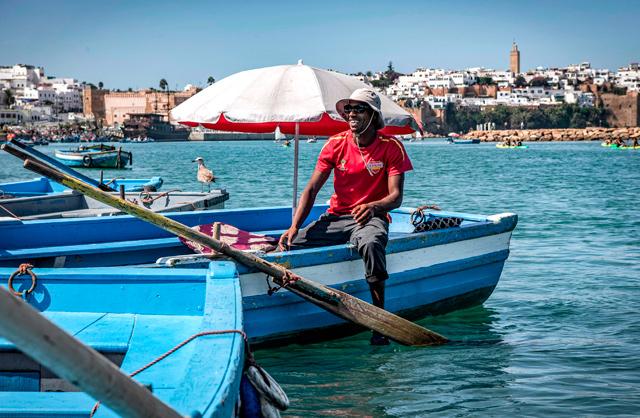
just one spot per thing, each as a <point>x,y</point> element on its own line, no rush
<point>41,186</point>
<point>132,316</point>
<point>431,272</point>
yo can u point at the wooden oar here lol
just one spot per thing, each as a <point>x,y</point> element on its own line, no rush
<point>334,301</point>
<point>23,152</point>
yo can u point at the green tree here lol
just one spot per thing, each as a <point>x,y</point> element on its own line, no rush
<point>520,81</point>
<point>100,85</point>
<point>163,84</point>
<point>211,80</point>
<point>10,98</point>
<point>487,81</point>
<point>539,82</point>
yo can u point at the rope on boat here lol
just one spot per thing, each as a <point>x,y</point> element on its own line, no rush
<point>422,223</point>
<point>23,269</point>
<point>146,198</point>
<point>179,346</point>
<point>287,278</point>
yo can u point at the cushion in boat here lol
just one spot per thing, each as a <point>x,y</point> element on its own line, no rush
<point>236,238</point>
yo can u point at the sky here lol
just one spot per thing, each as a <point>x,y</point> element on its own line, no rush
<point>134,44</point>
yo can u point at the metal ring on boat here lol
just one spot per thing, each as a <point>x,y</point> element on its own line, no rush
<point>267,387</point>
<point>87,160</point>
<point>23,270</point>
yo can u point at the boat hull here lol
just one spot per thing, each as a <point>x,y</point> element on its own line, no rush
<point>422,282</point>
<point>103,159</point>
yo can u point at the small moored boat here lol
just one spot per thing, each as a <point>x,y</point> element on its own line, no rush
<point>71,204</point>
<point>133,316</point>
<point>95,156</point>
<point>463,141</point>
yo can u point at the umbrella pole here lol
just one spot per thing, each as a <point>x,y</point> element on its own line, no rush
<point>295,170</point>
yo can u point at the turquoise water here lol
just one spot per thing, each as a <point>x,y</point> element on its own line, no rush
<point>559,336</point>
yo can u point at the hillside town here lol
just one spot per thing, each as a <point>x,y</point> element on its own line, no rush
<point>440,99</point>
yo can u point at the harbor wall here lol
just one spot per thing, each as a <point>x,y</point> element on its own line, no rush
<point>587,134</point>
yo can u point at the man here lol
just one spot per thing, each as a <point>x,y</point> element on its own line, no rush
<point>368,172</point>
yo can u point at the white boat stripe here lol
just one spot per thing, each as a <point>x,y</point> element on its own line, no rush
<point>336,273</point>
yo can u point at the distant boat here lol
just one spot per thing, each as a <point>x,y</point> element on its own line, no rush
<point>95,156</point>
<point>132,316</point>
<point>312,140</point>
<point>278,135</point>
<point>504,146</point>
<point>463,141</point>
<point>153,125</point>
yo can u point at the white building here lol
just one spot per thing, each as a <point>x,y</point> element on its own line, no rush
<point>19,76</point>
<point>629,77</point>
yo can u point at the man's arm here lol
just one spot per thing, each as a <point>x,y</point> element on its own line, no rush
<point>307,199</point>
<point>363,213</point>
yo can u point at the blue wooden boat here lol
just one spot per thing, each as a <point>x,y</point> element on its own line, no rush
<point>41,186</point>
<point>96,156</point>
<point>132,316</point>
<point>430,272</point>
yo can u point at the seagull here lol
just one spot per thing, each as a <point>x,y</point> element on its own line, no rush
<point>204,174</point>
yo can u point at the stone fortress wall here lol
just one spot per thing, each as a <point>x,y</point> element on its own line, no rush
<point>525,135</point>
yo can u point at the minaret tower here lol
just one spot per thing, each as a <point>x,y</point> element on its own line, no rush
<point>514,59</point>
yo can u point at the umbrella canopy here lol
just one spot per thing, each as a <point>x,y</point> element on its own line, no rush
<point>454,135</point>
<point>260,100</point>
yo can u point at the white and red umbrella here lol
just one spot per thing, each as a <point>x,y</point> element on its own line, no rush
<point>260,100</point>
<point>297,99</point>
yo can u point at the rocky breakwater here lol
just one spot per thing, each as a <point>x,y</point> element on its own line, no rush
<point>524,135</point>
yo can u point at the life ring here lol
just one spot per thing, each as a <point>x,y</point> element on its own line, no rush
<point>87,161</point>
<point>267,387</point>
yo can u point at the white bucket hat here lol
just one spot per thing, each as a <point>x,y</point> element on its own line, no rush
<point>366,96</point>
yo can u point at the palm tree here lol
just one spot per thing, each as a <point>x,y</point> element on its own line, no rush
<point>100,85</point>
<point>165,86</point>
<point>211,80</point>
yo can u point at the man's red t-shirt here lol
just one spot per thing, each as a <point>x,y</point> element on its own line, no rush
<point>353,183</point>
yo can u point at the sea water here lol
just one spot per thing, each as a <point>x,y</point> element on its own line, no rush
<point>560,336</point>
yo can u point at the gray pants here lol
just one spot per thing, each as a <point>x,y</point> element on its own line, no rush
<point>370,240</point>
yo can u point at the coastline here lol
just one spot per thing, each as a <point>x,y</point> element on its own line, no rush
<point>532,135</point>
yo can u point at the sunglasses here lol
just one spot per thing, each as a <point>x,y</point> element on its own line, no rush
<point>359,108</point>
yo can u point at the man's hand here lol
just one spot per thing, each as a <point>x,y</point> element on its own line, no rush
<point>285,239</point>
<point>363,213</point>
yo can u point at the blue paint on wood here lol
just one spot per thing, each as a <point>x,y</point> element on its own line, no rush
<point>143,313</point>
